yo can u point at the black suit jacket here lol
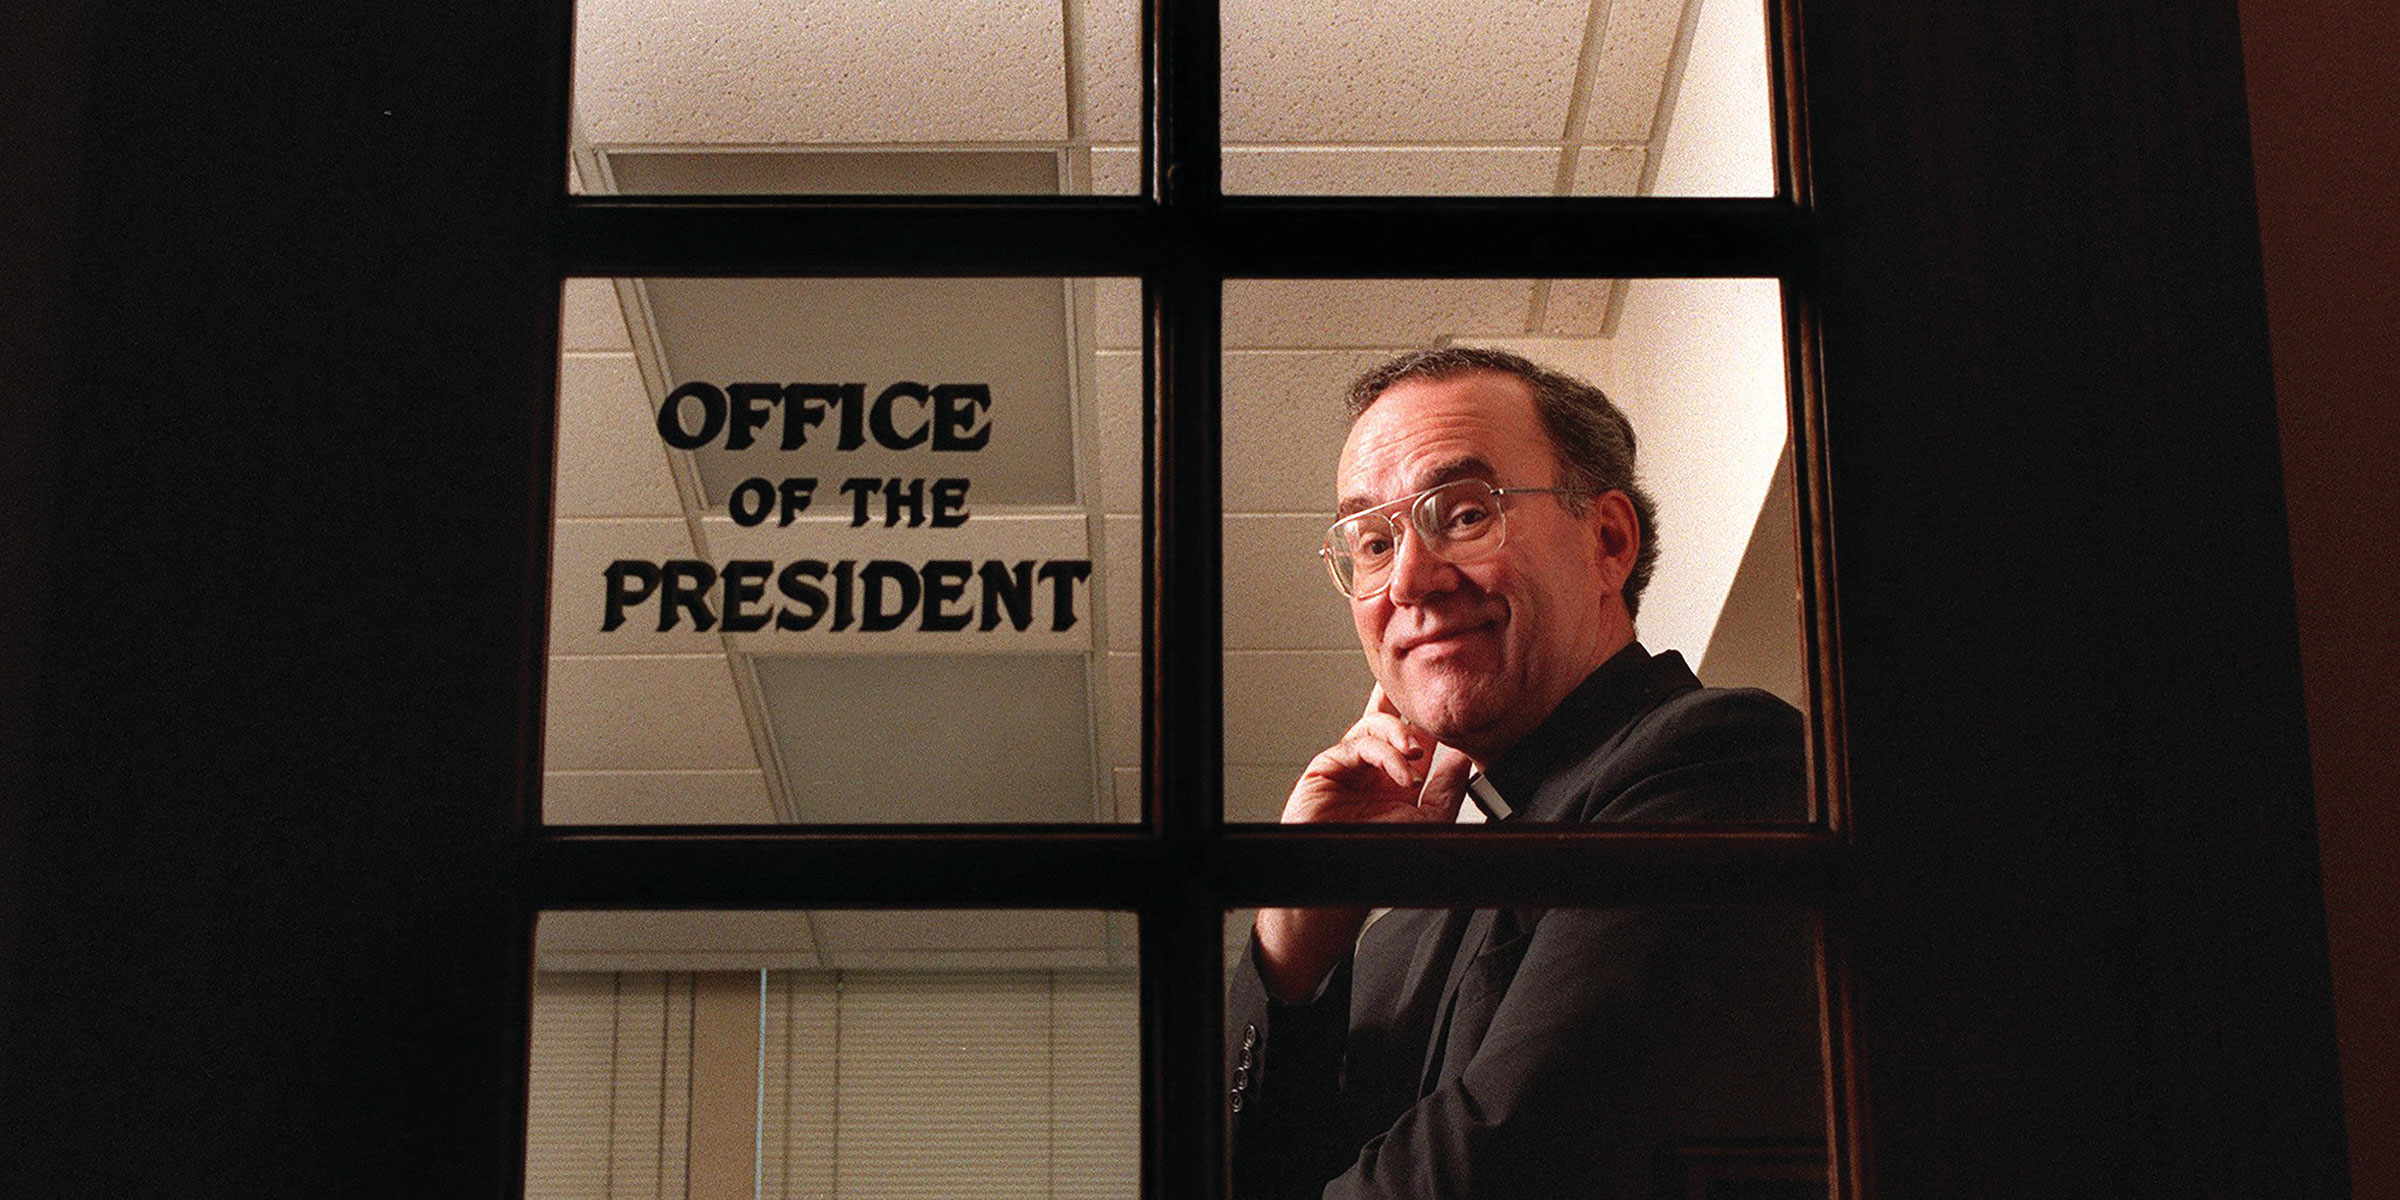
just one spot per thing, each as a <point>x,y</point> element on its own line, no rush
<point>1563,1052</point>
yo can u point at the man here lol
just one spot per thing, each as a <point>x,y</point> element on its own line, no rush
<point>1494,545</point>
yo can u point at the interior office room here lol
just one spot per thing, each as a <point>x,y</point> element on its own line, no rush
<point>383,817</point>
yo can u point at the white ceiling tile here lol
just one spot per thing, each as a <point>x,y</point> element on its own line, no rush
<point>610,461</point>
<point>1607,170</point>
<point>1122,539</point>
<point>1266,314</point>
<point>1116,170</point>
<point>644,714</point>
<point>656,798</point>
<point>1118,376</point>
<point>917,738</point>
<point>1428,71</point>
<point>1109,47</point>
<point>1255,792</point>
<point>1277,595</point>
<point>1286,705</point>
<point>1631,71</point>
<point>581,550</point>
<point>819,71</point>
<point>1284,426</point>
<point>1390,171</point>
<point>591,318</point>
<point>1578,307</point>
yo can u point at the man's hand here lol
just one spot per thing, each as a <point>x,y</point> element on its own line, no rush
<point>1383,771</point>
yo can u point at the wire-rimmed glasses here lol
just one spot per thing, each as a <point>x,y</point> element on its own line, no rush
<point>1461,521</point>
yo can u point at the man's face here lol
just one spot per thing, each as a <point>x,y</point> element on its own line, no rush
<point>1477,654</point>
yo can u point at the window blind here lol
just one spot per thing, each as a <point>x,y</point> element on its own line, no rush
<point>871,1086</point>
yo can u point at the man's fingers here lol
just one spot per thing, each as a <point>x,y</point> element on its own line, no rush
<point>1387,728</point>
<point>1352,755</point>
<point>1396,763</point>
<point>1383,769</point>
<point>1446,781</point>
<point>1382,719</point>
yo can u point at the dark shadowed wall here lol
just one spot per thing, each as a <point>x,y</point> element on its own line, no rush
<point>2324,104</point>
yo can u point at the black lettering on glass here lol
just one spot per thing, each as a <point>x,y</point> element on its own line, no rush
<point>945,582</point>
<point>1004,589</point>
<point>630,581</point>
<point>875,616</point>
<point>1064,574</point>
<point>796,586</point>
<point>886,434</point>
<point>949,503</point>
<point>750,502</point>
<point>745,585</point>
<point>712,416</point>
<point>685,583</point>
<point>956,408</point>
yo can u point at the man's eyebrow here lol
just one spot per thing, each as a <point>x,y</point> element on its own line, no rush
<point>1464,467</point>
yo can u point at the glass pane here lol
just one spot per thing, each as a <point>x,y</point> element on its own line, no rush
<point>826,97</point>
<point>1488,650</point>
<point>1545,1052</point>
<point>846,551</point>
<point>1458,97</point>
<point>834,1054</point>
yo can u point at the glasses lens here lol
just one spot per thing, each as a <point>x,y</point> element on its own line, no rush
<point>1360,549</point>
<point>1460,517</point>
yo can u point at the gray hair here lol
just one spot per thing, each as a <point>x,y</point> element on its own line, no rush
<point>1590,436</point>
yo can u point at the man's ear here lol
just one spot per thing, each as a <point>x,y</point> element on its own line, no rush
<point>1617,535</point>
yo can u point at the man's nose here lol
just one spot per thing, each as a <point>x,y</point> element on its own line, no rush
<point>1418,572</point>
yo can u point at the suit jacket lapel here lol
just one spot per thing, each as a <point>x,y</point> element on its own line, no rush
<point>1471,943</point>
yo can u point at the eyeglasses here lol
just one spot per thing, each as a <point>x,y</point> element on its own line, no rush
<point>1462,521</point>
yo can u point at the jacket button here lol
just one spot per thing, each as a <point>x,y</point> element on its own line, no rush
<point>1245,1056</point>
<point>1249,1036</point>
<point>1237,1100</point>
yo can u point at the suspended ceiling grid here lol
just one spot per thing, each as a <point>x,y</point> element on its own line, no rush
<point>1457,97</point>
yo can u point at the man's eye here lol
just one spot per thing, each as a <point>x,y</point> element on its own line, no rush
<point>1465,518</point>
<point>1373,546</point>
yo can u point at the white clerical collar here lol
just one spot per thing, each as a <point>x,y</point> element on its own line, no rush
<point>1489,803</point>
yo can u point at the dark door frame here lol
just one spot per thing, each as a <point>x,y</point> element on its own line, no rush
<point>270,880</point>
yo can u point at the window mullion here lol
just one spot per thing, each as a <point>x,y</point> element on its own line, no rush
<point>594,867</point>
<point>1182,939</point>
